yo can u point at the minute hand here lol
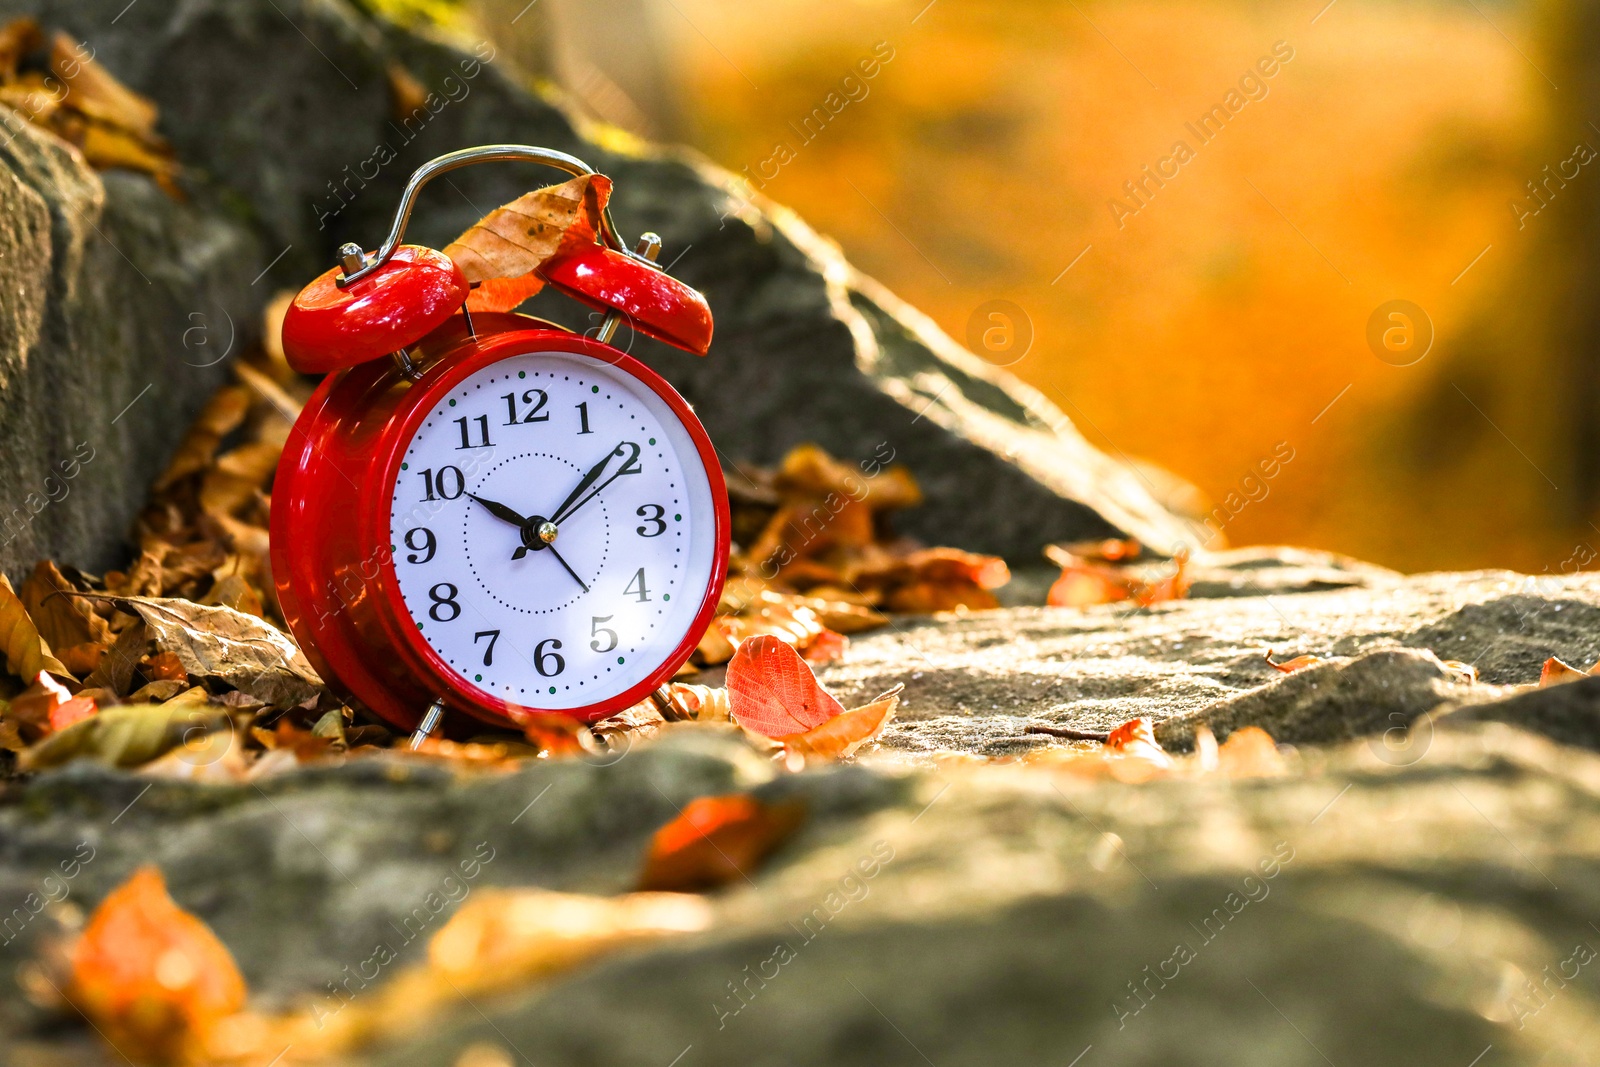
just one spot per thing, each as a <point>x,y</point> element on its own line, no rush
<point>576,499</point>
<point>587,480</point>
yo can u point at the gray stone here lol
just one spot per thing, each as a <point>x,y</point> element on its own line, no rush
<point>975,683</point>
<point>1388,900</point>
<point>1337,700</point>
<point>1361,913</point>
<point>1356,909</point>
<point>117,306</point>
<point>1568,713</point>
<point>286,102</point>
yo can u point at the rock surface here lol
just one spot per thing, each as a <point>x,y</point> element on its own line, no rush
<point>288,103</point>
<point>974,684</point>
<point>1394,898</point>
<point>117,307</point>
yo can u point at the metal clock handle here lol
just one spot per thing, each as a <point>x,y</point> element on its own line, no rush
<point>357,264</point>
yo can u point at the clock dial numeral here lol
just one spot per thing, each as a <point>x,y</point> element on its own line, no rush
<point>651,514</point>
<point>636,588</point>
<point>442,601</point>
<point>488,653</point>
<point>549,663</point>
<point>527,398</point>
<point>466,437</point>
<point>583,417</point>
<point>429,545</point>
<point>631,464</point>
<point>595,630</point>
<point>449,484</point>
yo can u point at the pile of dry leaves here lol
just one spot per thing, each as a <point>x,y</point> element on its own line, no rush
<point>56,84</point>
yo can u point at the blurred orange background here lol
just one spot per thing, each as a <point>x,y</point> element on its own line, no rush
<point>1226,321</point>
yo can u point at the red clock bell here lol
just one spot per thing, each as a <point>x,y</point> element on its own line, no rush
<point>479,516</point>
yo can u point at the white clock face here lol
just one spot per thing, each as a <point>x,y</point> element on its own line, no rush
<point>553,530</point>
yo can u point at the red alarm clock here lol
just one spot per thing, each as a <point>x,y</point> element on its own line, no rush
<point>481,516</point>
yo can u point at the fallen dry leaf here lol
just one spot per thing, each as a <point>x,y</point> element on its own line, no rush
<point>27,653</point>
<point>236,649</point>
<point>1103,577</point>
<point>125,736</point>
<point>716,840</point>
<point>1250,752</point>
<point>825,648</point>
<point>223,414</point>
<point>64,621</point>
<point>698,703</point>
<point>96,93</point>
<point>1557,672</point>
<point>17,38</point>
<point>1083,585</point>
<point>151,976</point>
<point>772,692</point>
<point>117,667</point>
<point>499,941</point>
<point>1111,550</point>
<point>66,709</point>
<point>501,938</point>
<point>503,249</point>
<point>840,736</point>
<point>1136,739</point>
<point>1289,666</point>
<point>555,734</point>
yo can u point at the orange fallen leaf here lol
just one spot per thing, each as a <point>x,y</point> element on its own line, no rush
<point>1089,580</point>
<point>1250,752</point>
<point>1174,586</point>
<point>150,975</point>
<point>1289,666</point>
<point>1556,672</point>
<point>1111,550</point>
<point>1136,739</point>
<point>67,709</point>
<point>772,692</point>
<point>511,242</point>
<point>826,647</point>
<point>716,840</point>
<point>1084,585</point>
<point>555,734</point>
<point>841,735</point>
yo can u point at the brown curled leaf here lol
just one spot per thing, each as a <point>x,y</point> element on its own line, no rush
<point>27,653</point>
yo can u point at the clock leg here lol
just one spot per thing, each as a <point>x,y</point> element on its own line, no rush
<point>662,699</point>
<point>429,723</point>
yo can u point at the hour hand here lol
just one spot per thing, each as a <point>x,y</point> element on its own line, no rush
<point>500,511</point>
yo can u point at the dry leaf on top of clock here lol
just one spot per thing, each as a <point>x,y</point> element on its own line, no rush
<point>502,250</point>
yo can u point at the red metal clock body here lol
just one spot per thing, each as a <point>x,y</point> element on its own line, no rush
<point>506,518</point>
